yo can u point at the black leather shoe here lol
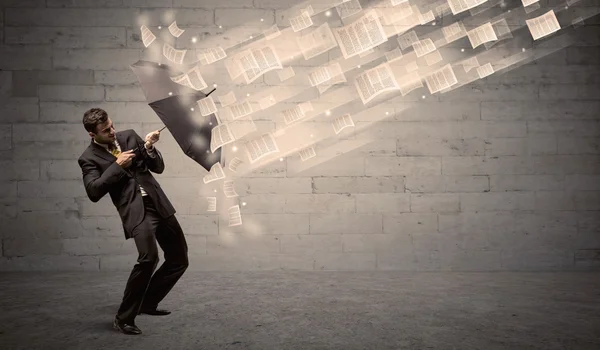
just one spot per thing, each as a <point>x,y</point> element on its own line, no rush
<point>154,312</point>
<point>126,328</point>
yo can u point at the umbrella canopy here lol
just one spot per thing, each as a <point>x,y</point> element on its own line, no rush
<point>172,103</point>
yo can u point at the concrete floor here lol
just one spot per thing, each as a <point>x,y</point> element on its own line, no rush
<point>309,310</point>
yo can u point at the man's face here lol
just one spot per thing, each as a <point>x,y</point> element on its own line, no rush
<point>105,132</point>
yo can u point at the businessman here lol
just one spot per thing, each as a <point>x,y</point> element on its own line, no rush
<point>119,163</point>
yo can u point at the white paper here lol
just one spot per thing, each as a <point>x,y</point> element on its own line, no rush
<point>207,106</point>
<point>485,70</point>
<point>348,8</point>
<point>234,164</point>
<point>307,153</point>
<point>192,79</point>
<point>293,114</point>
<point>300,22</point>
<point>211,55</point>
<point>528,2</point>
<point>235,217</point>
<point>341,122</point>
<point>172,54</point>
<point>216,173</point>
<point>220,136</point>
<point>543,25</point>
<point>482,34</point>
<point>212,203</point>
<point>374,82</point>
<point>362,35</point>
<point>256,62</point>
<point>454,31</point>
<point>240,110</point>
<point>441,79</point>
<point>229,189</point>
<point>147,36</point>
<point>458,6</point>
<point>174,30</point>
<point>423,47</point>
<point>261,147</point>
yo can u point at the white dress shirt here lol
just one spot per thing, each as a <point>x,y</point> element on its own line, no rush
<point>150,153</point>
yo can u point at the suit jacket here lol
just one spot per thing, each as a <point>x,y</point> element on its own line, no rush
<point>101,175</point>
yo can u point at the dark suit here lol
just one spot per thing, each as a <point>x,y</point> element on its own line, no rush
<point>146,220</point>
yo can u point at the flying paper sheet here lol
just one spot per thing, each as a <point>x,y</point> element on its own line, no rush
<point>441,79</point>
<point>543,25</point>
<point>174,30</point>
<point>458,6</point>
<point>362,35</point>
<point>374,82</point>
<point>147,36</point>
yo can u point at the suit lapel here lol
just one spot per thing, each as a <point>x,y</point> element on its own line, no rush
<point>103,153</point>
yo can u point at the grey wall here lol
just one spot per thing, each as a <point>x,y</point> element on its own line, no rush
<point>500,174</point>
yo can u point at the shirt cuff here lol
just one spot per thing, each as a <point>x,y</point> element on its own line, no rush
<point>151,152</point>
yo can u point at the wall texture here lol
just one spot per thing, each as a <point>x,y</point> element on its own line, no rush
<point>501,174</point>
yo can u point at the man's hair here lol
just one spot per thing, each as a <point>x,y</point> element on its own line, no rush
<point>93,117</point>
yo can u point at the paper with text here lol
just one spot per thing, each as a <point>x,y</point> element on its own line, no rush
<point>458,6</point>
<point>147,36</point>
<point>341,122</point>
<point>229,189</point>
<point>235,163</point>
<point>423,47</point>
<point>261,147</point>
<point>374,82</point>
<point>220,136</point>
<point>307,153</point>
<point>485,70</point>
<point>482,34</point>
<point>212,203</point>
<point>211,55</point>
<point>361,35</point>
<point>235,217</point>
<point>348,8</point>
<point>441,79</point>
<point>207,106</point>
<point>172,54</point>
<point>174,30</point>
<point>543,25</point>
<point>216,173</point>
<point>192,79</point>
<point>300,22</point>
<point>454,31</point>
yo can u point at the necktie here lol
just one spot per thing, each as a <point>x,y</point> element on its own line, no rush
<point>113,149</point>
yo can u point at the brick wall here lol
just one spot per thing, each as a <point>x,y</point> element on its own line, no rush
<point>500,174</point>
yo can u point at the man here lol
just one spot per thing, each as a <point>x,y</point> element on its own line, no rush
<point>111,165</point>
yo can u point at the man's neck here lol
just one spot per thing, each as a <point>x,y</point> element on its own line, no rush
<point>101,144</point>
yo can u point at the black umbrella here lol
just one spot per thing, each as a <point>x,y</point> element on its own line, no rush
<point>172,103</point>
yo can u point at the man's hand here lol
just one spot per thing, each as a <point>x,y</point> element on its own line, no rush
<point>152,138</point>
<point>125,159</point>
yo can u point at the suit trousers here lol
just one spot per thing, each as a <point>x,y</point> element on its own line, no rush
<point>144,290</point>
